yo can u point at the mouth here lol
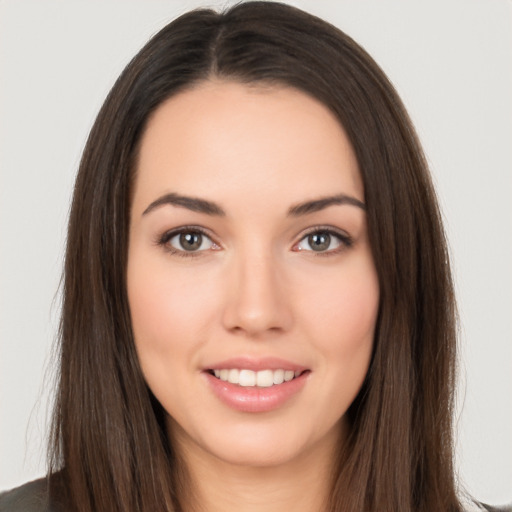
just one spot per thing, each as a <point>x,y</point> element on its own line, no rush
<point>250,386</point>
<point>249,378</point>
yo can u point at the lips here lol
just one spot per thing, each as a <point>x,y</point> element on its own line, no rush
<point>249,385</point>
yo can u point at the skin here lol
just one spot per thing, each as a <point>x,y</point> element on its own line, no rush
<point>257,290</point>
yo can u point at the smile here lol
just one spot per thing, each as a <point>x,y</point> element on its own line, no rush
<point>250,378</point>
<point>257,390</point>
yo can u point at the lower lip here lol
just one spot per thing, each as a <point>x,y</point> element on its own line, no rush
<point>253,398</point>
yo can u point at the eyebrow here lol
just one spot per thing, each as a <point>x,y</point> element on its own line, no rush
<point>191,203</point>
<point>210,208</point>
<point>324,202</point>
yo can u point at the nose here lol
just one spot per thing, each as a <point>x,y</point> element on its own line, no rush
<point>258,301</point>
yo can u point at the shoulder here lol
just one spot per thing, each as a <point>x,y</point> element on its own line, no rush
<point>30,497</point>
<point>476,506</point>
<point>489,508</point>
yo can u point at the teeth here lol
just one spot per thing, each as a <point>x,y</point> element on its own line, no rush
<point>249,378</point>
<point>265,379</point>
<point>234,376</point>
<point>278,376</point>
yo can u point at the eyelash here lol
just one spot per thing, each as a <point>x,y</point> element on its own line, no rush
<point>345,240</point>
<point>165,238</point>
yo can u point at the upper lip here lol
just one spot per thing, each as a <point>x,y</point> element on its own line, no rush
<point>256,364</point>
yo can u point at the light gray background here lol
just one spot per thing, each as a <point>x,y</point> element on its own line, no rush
<point>451,60</point>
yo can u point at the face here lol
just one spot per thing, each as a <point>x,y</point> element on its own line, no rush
<point>251,284</point>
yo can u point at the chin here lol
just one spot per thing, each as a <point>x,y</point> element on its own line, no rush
<point>259,444</point>
<point>258,453</point>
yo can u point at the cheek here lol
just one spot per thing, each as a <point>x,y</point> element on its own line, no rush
<point>341,321</point>
<point>170,309</point>
<point>345,306</point>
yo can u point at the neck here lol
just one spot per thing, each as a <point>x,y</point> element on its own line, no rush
<point>214,485</point>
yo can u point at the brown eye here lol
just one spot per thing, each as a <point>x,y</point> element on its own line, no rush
<point>188,241</point>
<point>324,241</point>
<point>319,241</point>
<point>191,241</point>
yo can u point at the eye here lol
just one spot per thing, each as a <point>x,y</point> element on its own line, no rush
<point>187,241</point>
<point>323,241</point>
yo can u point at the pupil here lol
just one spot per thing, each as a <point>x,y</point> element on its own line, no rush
<point>191,241</point>
<point>319,241</point>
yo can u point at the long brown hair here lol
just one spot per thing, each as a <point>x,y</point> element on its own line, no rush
<point>108,437</point>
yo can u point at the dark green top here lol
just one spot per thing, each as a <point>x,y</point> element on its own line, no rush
<point>33,497</point>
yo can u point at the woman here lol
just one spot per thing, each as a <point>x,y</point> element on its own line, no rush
<point>257,296</point>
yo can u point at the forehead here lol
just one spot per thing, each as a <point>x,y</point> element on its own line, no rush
<point>224,138</point>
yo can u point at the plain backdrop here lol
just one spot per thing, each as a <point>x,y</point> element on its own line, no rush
<point>451,61</point>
